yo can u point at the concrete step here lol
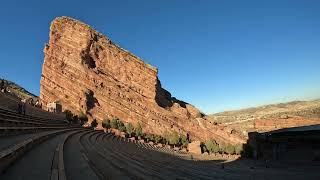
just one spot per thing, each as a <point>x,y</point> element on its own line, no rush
<point>103,166</point>
<point>37,157</point>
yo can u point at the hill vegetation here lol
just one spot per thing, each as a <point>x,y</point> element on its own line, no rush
<point>243,120</point>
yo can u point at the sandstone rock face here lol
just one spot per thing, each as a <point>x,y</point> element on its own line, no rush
<point>86,72</point>
<point>273,124</point>
<point>194,147</point>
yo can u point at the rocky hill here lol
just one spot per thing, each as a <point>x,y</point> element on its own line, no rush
<point>270,117</point>
<point>18,91</point>
<point>86,72</point>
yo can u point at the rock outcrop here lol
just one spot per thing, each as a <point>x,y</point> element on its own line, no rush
<point>270,117</point>
<point>263,125</point>
<point>86,72</point>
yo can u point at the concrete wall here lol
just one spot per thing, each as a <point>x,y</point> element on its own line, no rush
<point>299,147</point>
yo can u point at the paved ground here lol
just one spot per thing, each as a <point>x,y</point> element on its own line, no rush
<point>35,164</point>
<point>7,141</point>
<point>76,166</point>
<point>111,158</point>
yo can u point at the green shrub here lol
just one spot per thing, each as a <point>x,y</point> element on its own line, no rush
<point>164,141</point>
<point>174,138</point>
<point>222,148</point>
<point>83,118</point>
<point>148,137</point>
<point>152,137</point>
<point>166,136</point>
<point>69,115</point>
<point>75,119</point>
<point>94,123</point>
<point>138,131</point>
<point>129,129</point>
<point>143,135</point>
<point>121,126</point>
<point>203,147</point>
<point>238,149</point>
<point>157,139</point>
<point>229,149</point>
<point>184,140</point>
<point>114,123</point>
<point>212,146</point>
<point>106,123</point>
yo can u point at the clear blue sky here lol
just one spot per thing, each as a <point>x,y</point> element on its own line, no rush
<point>217,55</point>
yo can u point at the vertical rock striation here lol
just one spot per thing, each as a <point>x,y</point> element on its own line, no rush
<point>86,72</point>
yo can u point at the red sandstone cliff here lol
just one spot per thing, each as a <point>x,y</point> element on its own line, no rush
<point>86,72</point>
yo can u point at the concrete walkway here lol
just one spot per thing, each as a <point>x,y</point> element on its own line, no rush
<point>35,164</point>
<point>76,166</point>
<point>7,141</point>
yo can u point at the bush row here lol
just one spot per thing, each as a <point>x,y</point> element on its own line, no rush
<point>76,119</point>
<point>170,138</point>
<point>211,146</point>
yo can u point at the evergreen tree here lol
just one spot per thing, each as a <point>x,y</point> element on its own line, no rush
<point>166,137</point>
<point>212,146</point>
<point>174,138</point>
<point>94,123</point>
<point>69,115</point>
<point>83,118</point>
<point>106,124</point>
<point>203,147</point>
<point>121,126</point>
<point>184,140</point>
<point>157,139</point>
<point>238,148</point>
<point>148,137</point>
<point>138,130</point>
<point>114,123</point>
<point>129,129</point>
<point>75,119</point>
<point>230,149</point>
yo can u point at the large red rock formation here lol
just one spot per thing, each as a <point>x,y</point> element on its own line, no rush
<point>86,72</point>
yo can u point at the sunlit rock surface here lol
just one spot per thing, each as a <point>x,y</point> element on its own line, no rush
<point>86,72</point>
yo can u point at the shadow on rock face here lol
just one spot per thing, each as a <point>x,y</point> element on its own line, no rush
<point>91,101</point>
<point>164,98</point>
<point>88,61</point>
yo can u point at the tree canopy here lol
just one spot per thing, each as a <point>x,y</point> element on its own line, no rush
<point>138,130</point>
<point>114,123</point>
<point>212,146</point>
<point>129,129</point>
<point>82,118</point>
<point>94,123</point>
<point>174,138</point>
<point>106,123</point>
<point>121,126</point>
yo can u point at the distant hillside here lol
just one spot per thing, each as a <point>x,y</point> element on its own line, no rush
<point>18,91</point>
<point>294,108</point>
<point>243,119</point>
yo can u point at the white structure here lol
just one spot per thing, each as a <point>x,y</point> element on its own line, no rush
<point>54,107</point>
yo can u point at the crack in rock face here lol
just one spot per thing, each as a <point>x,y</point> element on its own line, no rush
<point>88,60</point>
